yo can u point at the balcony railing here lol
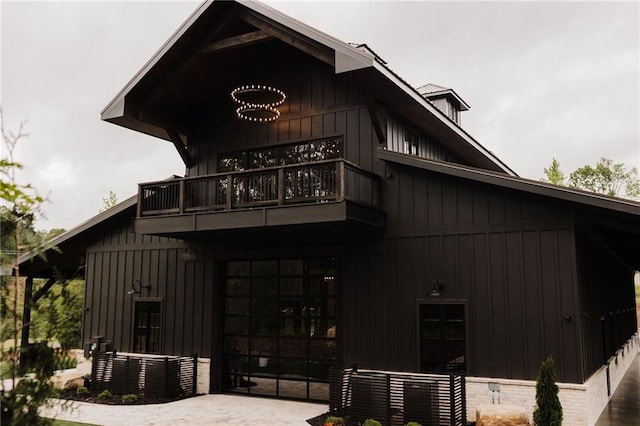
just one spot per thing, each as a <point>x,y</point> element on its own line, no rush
<point>317,182</point>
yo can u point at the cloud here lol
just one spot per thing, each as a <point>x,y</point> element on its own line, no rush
<point>544,80</point>
<point>59,173</point>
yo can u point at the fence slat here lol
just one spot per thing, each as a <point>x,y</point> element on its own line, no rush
<point>153,377</point>
<point>396,398</point>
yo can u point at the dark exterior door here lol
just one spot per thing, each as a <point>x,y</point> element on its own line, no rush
<point>442,337</point>
<point>146,332</point>
<point>280,327</point>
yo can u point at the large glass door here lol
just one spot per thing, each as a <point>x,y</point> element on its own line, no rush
<point>280,327</point>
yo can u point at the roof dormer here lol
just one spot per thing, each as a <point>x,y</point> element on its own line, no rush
<point>446,100</point>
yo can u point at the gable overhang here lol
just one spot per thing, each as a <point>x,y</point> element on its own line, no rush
<point>184,44</point>
<point>451,94</point>
<point>615,221</point>
<point>361,66</point>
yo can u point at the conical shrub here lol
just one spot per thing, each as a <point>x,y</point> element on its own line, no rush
<point>548,410</point>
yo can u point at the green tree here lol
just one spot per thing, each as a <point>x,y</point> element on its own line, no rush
<point>553,174</point>
<point>109,201</point>
<point>31,386</point>
<point>606,177</point>
<point>52,233</point>
<point>8,250</point>
<point>58,314</point>
<point>548,411</point>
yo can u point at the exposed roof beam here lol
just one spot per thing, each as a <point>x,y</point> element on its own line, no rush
<point>180,146</point>
<point>162,87</point>
<point>237,41</point>
<point>290,37</point>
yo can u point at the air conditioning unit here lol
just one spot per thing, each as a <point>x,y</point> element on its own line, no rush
<point>421,402</point>
<point>369,397</point>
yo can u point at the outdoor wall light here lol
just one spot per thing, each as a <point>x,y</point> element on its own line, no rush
<point>140,287</point>
<point>437,288</point>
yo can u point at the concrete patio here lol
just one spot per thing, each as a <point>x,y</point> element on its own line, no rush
<point>199,410</point>
<point>623,409</point>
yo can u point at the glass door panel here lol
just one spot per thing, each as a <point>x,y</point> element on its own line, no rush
<point>279,316</point>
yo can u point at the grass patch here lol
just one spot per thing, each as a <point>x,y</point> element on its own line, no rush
<point>68,423</point>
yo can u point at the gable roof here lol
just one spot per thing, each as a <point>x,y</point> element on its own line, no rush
<point>431,90</point>
<point>358,61</point>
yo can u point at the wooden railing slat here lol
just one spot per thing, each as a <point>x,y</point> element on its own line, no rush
<point>320,181</point>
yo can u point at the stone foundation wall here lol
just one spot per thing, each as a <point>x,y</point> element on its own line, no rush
<point>582,404</point>
<point>202,385</point>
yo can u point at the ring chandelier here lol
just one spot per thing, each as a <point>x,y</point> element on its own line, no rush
<point>258,103</point>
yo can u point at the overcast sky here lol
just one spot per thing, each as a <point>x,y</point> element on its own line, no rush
<point>543,79</point>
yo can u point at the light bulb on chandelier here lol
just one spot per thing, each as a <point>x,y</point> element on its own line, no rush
<point>258,103</point>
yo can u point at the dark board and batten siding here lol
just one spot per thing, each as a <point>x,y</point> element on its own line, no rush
<point>398,131</point>
<point>606,298</point>
<point>508,256</point>
<point>318,105</point>
<point>185,289</point>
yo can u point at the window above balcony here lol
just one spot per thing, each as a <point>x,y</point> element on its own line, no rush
<point>297,153</point>
<point>296,184</point>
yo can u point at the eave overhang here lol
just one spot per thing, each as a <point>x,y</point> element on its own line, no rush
<point>615,221</point>
<point>433,91</point>
<point>64,253</point>
<point>345,58</point>
<point>620,205</point>
<point>449,93</point>
<point>424,114</point>
<point>360,65</point>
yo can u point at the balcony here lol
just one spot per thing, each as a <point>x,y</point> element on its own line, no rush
<point>316,192</point>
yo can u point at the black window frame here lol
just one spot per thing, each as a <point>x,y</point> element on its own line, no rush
<point>246,157</point>
<point>467,326</point>
<point>319,351</point>
<point>134,334</point>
